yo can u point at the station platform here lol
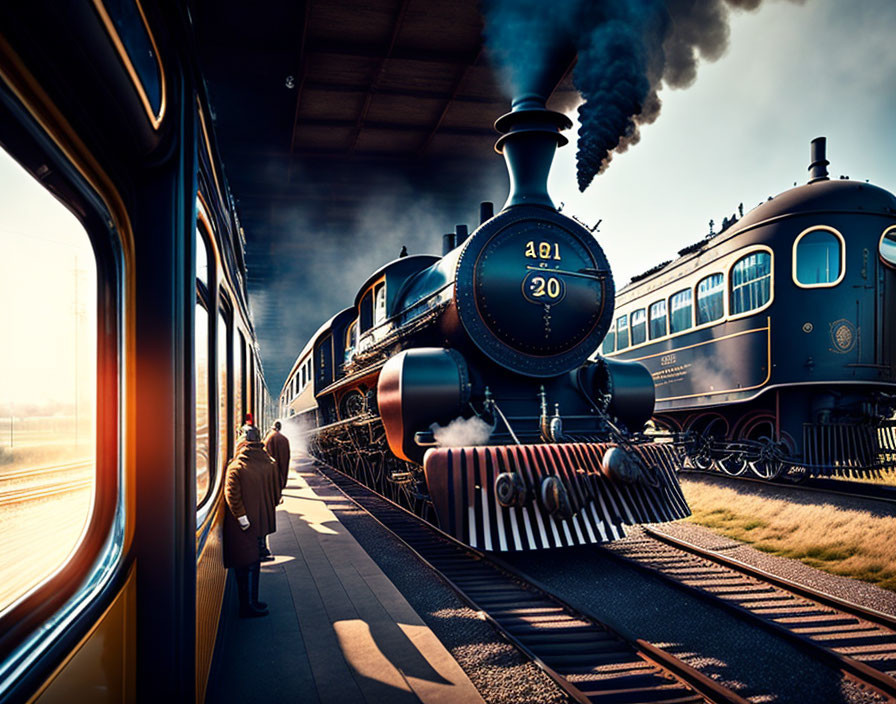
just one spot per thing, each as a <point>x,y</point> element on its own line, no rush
<point>338,629</point>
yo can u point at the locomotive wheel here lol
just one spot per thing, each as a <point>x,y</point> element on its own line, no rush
<point>733,464</point>
<point>701,458</point>
<point>770,462</point>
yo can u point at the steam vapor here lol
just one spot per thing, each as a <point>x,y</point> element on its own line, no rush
<point>627,51</point>
<point>462,432</point>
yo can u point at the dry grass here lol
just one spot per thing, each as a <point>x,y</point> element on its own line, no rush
<point>841,541</point>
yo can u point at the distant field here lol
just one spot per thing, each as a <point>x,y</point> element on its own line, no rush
<point>848,542</point>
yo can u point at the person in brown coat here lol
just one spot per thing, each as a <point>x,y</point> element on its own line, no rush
<point>251,490</point>
<point>277,445</point>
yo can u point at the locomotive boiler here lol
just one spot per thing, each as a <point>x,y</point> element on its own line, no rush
<point>460,385</point>
<point>772,342</point>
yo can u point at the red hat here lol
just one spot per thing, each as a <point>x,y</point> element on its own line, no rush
<point>249,418</point>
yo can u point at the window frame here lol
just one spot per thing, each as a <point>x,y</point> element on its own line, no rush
<point>631,326</point>
<point>793,258</point>
<point>650,336</point>
<point>206,294</point>
<point>880,242</point>
<point>724,315</point>
<point>691,326</point>
<point>42,615</point>
<point>628,335</point>
<point>742,254</point>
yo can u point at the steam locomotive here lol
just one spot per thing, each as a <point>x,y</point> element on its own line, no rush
<point>772,343</point>
<point>460,385</point>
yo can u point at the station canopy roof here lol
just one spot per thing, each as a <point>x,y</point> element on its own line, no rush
<point>315,105</point>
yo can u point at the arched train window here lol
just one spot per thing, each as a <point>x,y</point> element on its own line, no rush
<point>751,282</point>
<point>818,256</point>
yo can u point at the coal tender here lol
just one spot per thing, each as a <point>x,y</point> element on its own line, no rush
<point>460,386</point>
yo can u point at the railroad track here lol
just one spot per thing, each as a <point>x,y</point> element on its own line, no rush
<point>838,487</point>
<point>859,642</point>
<point>592,661</point>
<point>18,495</point>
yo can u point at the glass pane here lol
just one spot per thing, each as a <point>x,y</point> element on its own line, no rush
<point>223,420</point>
<point>639,326</point>
<point>888,247</point>
<point>680,307</point>
<point>710,299</point>
<point>237,382</point>
<point>751,282</point>
<point>622,332</point>
<point>657,319</point>
<point>379,314</point>
<point>610,342</point>
<point>818,258</point>
<point>48,359</point>
<point>201,374</point>
<point>201,259</point>
<point>135,38</point>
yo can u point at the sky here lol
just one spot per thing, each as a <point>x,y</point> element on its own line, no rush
<point>741,133</point>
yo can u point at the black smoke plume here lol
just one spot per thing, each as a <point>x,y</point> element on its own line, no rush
<point>627,51</point>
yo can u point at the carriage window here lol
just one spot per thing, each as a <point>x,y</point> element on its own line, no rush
<point>657,319</point>
<point>681,305</point>
<point>710,298</point>
<point>237,381</point>
<point>48,384</point>
<point>366,310</point>
<point>379,308</point>
<point>609,342</point>
<point>639,326</point>
<point>887,247</point>
<point>751,282</point>
<point>817,258</point>
<point>350,340</point>
<point>223,393</point>
<point>622,332</point>
<point>201,258</point>
<point>201,388</point>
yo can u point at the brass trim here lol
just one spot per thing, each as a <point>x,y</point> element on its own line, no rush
<point>880,242</point>
<point>208,148</point>
<point>796,242</point>
<point>768,374</point>
<point>155,119</point>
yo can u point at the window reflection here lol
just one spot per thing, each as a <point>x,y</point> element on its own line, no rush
<point>48,359</point>
<point>680,310</point>
<point>657,319</point>
<point>888,247</point>
<point>751,280</point>
<point>639,326</point>
<point>223,392</point>
<point>818,258</point>
<point>201,259</point>
<point>201,377</point>
<point>710,298</point>
<point>609,342</point>
<point>622,332</point>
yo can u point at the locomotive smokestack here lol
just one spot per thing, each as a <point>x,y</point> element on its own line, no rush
<point>531,136</point>
<point>448,243</point>
<point>818,169</point>
<point>460,234</point>
<point>486,211</point>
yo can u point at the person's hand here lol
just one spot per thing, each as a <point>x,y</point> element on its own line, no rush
<point>244,522</point>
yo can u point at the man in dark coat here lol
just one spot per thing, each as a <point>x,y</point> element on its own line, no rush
<point>251,489</point>
<point>277,445</point>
